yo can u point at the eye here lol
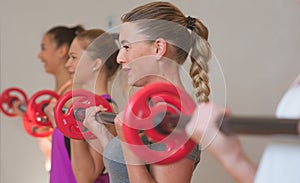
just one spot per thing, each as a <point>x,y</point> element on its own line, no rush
<point>126,47</point>
<point>71,57</point>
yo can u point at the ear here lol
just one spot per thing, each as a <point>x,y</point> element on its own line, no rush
<point>63,51</point>
<point>160,48</point>
<point>97,65</point>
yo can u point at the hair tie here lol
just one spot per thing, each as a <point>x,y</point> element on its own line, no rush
<point>75,30</point>
<point>190,22</point>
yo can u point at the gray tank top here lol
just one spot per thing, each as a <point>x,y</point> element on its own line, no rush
<point>115,164</point>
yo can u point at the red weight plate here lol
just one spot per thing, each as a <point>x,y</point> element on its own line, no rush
<point>7,97</point>
<point>35,121</point>
<point>66,121</point>
<point>138,119</point>
<point>35,130</point>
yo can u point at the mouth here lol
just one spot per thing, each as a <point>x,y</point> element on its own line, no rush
<point>45,65</point>
<point>126,70</point>
<point>71,74</point>
<point>43,62</point>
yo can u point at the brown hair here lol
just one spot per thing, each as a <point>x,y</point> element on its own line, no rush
<point>103,46</point>
<point>64,35</point>
<point>164,20</point>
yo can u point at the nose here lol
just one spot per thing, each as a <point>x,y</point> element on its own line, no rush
<point>40,55</point>
<point>121,58</point>
<point>68,63</point>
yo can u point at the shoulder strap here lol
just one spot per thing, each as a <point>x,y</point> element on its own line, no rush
<point>110,100</point>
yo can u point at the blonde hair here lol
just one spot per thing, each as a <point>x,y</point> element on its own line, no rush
<point>159,20</point>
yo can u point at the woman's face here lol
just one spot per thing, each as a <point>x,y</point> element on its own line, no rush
<point>136,55</point>
<point>80,65</point>
<point>75,53</point>
<point>49,54</point>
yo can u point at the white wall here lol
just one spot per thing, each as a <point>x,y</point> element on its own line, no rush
<point>256,42</point>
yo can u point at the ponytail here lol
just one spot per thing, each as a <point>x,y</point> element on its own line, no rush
<point>64,35</point>
<point>200,55</point>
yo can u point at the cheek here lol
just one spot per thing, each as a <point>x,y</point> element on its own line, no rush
<point>85,71</point>
<point>128,57</point>
<point>133,55</point>
<point>74,65</point>
<point>81,65</point>
<point>45,55</point>
<point>79,71</point>
<point>50,57</point>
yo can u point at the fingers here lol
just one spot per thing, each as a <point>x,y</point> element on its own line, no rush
<point>16,103</point>
<point>203,125</point>
<point>90,115</point>
<point>91,111</point>
<point>15,107</point>
<point>103,109</point>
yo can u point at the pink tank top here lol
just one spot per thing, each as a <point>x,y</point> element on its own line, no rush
<point>61,168</point>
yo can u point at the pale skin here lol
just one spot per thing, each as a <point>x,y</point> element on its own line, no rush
<point>135,52</point>
<point>226,149</point>
<point>87,162</point>
<point>54,59</point>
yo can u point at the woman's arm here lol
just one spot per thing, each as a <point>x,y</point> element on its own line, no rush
<point>226,149</point>
<point>178,172</point>
<point>103,131</point>
<point>87,163</point>
<point>86,155</point>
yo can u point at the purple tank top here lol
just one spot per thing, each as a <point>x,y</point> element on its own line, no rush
<point>104,178</point>
<point>61,169</point>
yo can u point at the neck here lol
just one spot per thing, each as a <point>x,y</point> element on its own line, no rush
<point>169,72</point>
<point>97,85</point>
<point>101,86</point>
<point>61,77</point>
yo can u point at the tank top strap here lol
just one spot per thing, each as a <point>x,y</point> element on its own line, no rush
<point>109,99</point>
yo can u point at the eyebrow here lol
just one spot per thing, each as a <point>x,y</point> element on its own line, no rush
<point>124,41</point>
<point>73,53</point>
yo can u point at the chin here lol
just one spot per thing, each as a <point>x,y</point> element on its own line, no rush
<point>138,83</point>
<point>48,71</point>
<point>131,83</point>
